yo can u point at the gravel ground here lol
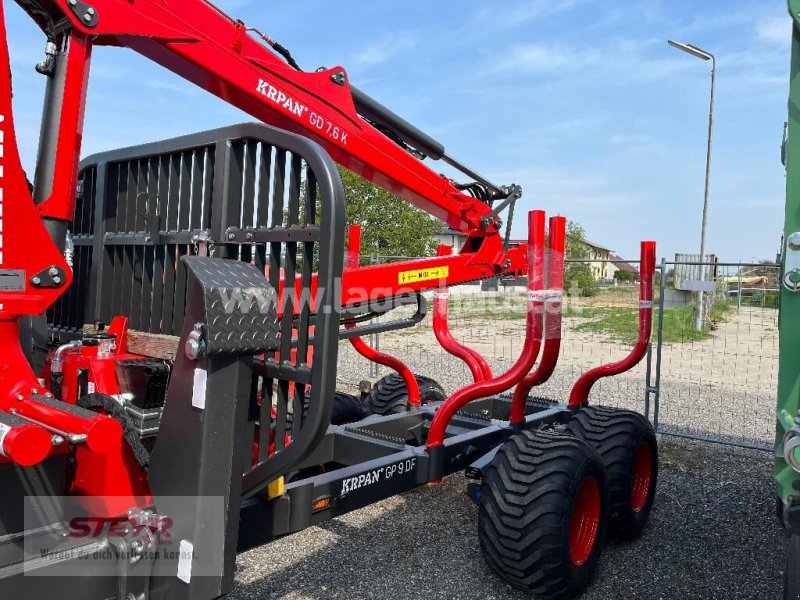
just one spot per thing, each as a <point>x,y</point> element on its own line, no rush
<point>712,534</point>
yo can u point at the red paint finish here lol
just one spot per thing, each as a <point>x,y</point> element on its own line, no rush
<point>351,263</point>
<point>119,329</point>
<point>477,364</point>
<point>19,386</point>
<point>379,282</point>
<point>24,242</point>
<point>201,44</point>
<point>552,319</point>
<point>642,477</point>
<point>26,445</point>
<point>110,478</point>
<point>353,247</point>
<point>584,521</point>
<point>101,368</point>
<point>376,282</point>
<point>579,395</point>
<point>533,334</point>
<point>386,360</point>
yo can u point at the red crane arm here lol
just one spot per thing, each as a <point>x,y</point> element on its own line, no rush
<point>201,44</point>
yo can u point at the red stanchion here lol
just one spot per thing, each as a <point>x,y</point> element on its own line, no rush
<point>552,319</point>
<point>579,396</point>
<point>533,335</point>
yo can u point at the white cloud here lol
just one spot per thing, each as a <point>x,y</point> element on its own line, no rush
<point>622,60</point>
<point>531,58</point>
<point>536,9</point>
<point>537,143</point>
<point>385,48</point>
<point>508,17</point>
<point>774,30</point>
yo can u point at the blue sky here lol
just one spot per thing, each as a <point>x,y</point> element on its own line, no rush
<point>581,102</point>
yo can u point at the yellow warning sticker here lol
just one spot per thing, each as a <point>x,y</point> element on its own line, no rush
<point>418,275</point>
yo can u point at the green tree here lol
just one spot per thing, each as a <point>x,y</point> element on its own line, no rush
<point>578,274</point>
<point>390,226</point>
<point>625,276</point>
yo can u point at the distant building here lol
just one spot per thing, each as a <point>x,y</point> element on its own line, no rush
<point>451,237</point>
<point>598,257</point>
<point>616,263</point>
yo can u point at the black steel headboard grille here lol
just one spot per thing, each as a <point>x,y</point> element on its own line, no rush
<point>233,197</point>
<point>249,192</point>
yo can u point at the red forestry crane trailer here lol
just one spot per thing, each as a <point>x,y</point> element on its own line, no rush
<point>160,410</point>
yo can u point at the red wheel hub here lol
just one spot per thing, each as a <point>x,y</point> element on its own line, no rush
<point>584,521</point>
<point>642,477</point>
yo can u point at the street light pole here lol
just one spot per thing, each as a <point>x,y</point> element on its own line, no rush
<point>699,314</point>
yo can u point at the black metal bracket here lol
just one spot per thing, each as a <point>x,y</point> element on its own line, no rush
<point>51,277</point>
<point>85,12</point>
<point>151,216</point>
<point>394,325</point>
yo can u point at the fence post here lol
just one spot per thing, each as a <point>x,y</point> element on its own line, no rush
<point>739,292</point>
<point>659,342</point>
<point>648,387</point>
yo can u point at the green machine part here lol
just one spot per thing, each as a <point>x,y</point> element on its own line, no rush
<point>789,320</point>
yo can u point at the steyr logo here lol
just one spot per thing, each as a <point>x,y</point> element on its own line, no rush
<point>118,527</point>
<point>265,88</point>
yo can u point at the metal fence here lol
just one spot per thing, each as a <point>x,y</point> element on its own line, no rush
<point>717,384</point>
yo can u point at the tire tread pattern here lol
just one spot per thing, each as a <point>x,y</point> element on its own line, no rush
<point>390,394</point>
<point>525,507</point>
<point>616,435</point>
<point>348,408</point>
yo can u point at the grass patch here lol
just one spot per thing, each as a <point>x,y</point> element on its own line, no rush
<point>616,323</point>
<point>620,290</point>
<point>719,310</point>
<point>622,324</point>
<point>587,312</point>
<point>493,314</point>
<point>679,325</point>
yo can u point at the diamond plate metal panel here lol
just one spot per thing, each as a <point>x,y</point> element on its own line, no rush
<point>240,307</point>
